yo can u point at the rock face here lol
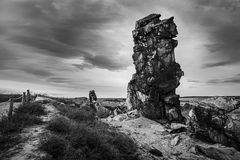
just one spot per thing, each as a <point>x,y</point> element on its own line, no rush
<point>219,152</point>
<point>216,124</point>
<point>152,88</point>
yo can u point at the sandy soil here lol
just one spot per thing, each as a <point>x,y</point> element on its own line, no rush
<point>28,150</point>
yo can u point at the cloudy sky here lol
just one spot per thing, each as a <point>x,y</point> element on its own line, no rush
<point>68,47</point>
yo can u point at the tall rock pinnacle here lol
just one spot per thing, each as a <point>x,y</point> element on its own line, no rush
<point>152,88</point>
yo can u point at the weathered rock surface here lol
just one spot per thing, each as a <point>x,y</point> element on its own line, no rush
<point>218,152</point>
<point>175,141</point>
<point>125,116</point>
<point>152,88</point>
<point>216,122</point>
<point>156,143</point>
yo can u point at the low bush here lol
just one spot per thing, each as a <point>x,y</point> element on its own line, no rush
<point>34,108</point>
<point>90,141</point>
<point>23,116</point>
<point>78,114</point>
<point>54,146</point>
<point>18,122</point>
<point>59,125</point>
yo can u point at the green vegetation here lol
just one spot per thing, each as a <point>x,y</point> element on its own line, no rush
<point>79,136</point>
<point>23,116</point>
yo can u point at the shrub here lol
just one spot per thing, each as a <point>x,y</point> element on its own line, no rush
<point>85,138</point>
<point>17,122</point>
<point>59,125</point>
<point>83,114</point>
<point>91,141</point>
<point>126,146</point>
<point>54,146</point>
<point>23,116</point>
<point>97,142</point>
<point>74,154</point>
<point>34,108</point>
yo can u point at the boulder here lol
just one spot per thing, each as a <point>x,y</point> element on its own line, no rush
<point>177,126</point>
<point>120,117</point>
<point>218,152</point>
<point>156,152</point>
<point>214,124</point>
<point>133,114</point>
<point>102,112</point>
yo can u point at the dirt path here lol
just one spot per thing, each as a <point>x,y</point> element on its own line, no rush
<point>28,150</point>
<point>151,135</point>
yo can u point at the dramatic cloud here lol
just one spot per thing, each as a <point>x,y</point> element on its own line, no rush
<point>59,80</point>
<point>68,29</point>
<point>194,81</point>
<point>217,64</point>
<point>234,79</point>
<point>71,46</point>
<point>221,19</point>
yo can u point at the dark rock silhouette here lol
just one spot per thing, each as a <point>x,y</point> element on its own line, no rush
<point>92,96</point>
<point>152,88</point>
<point>93,99</point>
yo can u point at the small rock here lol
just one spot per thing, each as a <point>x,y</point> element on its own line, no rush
<point>62,104</point>
<point>120,117</point>
<point>156,152</point>
<point>109,119</point>
<point>192,150</point>
<point>178,130</point>
<point>164,133</point>
<point>177,125</point>
<point>175,141</point>
<point>115,112</point>
<point>133,114</point>
<point>173,113</point>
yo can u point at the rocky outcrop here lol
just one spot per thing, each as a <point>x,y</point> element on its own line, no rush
<point>218,152</point>
<point>152,88</point>
<point>93,101</point>
<point>219,124</point>
<point>92,96</point>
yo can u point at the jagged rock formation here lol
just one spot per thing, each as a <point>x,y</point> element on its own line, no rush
<point>92,96</point>
<point>152,88</point>
<point>93,99</point>
<point>219,124</point>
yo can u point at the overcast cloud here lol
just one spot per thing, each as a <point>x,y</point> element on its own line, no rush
<point>67,47</point>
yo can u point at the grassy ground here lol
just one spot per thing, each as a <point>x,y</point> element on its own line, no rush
<point>23,116</point>
<point>79,136</point>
